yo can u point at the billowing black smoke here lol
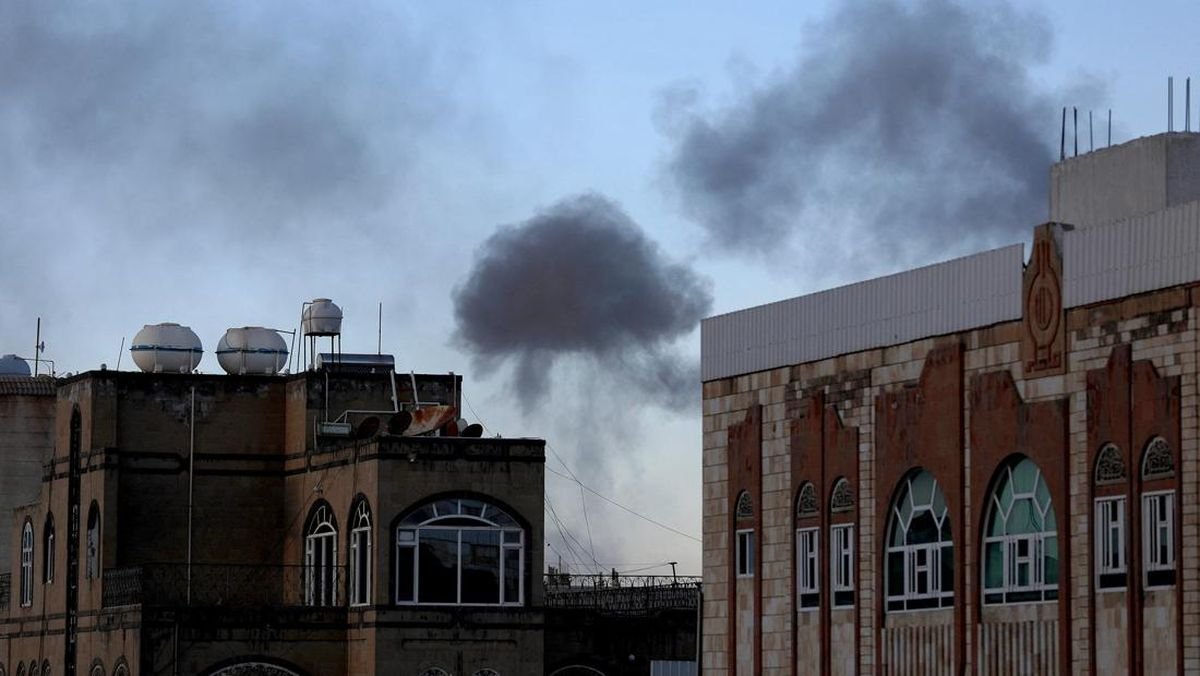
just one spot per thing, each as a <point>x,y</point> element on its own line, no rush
<point>910,124</point>
<point>581,280</point>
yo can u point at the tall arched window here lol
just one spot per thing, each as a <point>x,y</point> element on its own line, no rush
<point>1158,515</point>
<point>460,552</point>
<point>743,514</point>
<point>920,551</point>
<point>1110,477</point>
<point>320,557</point>
<point>360,554</point>
<point>92,568</point>
<point>27,563</point>
<point>48,550</point>
<point>1020,544</point>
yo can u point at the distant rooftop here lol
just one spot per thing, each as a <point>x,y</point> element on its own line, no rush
<point>1145,236</point>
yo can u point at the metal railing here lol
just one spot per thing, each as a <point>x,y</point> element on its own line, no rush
<point>622,593</point>
<point>223,585</point>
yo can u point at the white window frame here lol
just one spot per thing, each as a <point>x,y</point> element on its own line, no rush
<point>1158,520</point>
<point>744,552</point>
<point>1110,517</point>
<point>360,556</point>
<point>27,564</point>
<point>808,566</point>
<point>512,539</point>
<point>320,560</point>
<point>913,570</point>
<point>841,563</point>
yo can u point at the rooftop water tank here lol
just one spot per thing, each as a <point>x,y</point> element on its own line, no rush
<point>322,318</point>
<point>252,349</point>
<point>166,348</point>
<point>12,365</point>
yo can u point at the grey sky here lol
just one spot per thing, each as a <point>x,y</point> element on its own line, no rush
<point>216,164</point>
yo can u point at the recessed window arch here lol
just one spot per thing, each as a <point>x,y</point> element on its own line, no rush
<point>20,669</point>
<point>361,553</point>
<point>92,552</point>
<point>1020,543</point>
<point>320,556</point>
<point>97,669</point>
<point>745,506</point>
<point>841,497</point>
<point>33,668</point>
<point>486,672</point>
<point>27,563</point>
<point>48,536</point>
<point>1157,461</point>
<point>46,668</point>
<point>1110,466</point>
<point>435,671</point>
<point>920,548</point>
<point>460,551</point>
<point>806,501</point>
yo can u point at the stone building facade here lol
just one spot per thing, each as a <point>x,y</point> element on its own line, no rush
<point>216,525</point>
<point>984,466</point>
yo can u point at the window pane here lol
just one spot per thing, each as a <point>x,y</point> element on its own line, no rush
<point>439,566</point>
<point>947,569</point>
<point>895,573</point>
<point>1050,560</point>
<point>1023,518</point>
<point>480,566</point>
<point>512,575</point>
<point>923,530</point>
<point>993,565</point>
<point>404,573</point>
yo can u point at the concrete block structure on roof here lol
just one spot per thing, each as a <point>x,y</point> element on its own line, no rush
<point>1011,490</point>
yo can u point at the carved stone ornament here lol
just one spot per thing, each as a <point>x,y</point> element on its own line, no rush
<point>842,499</point>
<point>806,502</point>
<point>1158,463</point>
<point>1110,467</point>
<point>745,506</point>
<point>1043,339</point>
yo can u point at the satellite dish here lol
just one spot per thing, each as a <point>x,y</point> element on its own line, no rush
<point>399,422</point>
<point>367,428</point>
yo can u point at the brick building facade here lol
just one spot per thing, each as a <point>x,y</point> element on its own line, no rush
<point>985,466</point>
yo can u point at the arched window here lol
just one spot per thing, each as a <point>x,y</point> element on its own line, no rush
<point>460,552</point>
<point>20,669</point>
<point>1158,462</point>
<point>806,501</point>
<point>97,669</point>
<point>745,506</point>
<point>486,672</point>
<point>320,557</point>
<point>48,550</point>
<point>435,671</point>
<point>1020,544</point>
<point>1110,467</point>
<point>92,569</point>
<point>27,563</point>
<point>841,498</point>
<point>122,668</point>
<point>33,668</point>
<point>45,667</point>
<point>920,551</point>
<point>360,554</point>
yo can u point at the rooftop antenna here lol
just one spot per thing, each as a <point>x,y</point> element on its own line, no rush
<point>1110,126</point>
<point>38,347</point>
<point>1170,104</point>
<point>120,353</point>
<point>1091,141</point>
<point>1187,106</point>
<point>1075,114</point>
<point>1062,137</point>
<point>379,345</point>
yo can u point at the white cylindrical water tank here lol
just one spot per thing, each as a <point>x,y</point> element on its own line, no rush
<point>166,348</point>
<point>322,318</point>
<point>12,365</point>
<point>252,349</point>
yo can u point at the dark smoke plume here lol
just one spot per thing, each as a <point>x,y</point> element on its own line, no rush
<point>910,125</point>
<point>581,280</point>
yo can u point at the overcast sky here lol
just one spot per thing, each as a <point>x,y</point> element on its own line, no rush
<point>544,196</point>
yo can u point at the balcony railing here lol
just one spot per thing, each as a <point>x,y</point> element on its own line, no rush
<point>222,585</point>
<point>622,593</point>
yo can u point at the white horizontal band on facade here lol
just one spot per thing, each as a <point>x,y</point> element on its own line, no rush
<point>1100,263</point>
